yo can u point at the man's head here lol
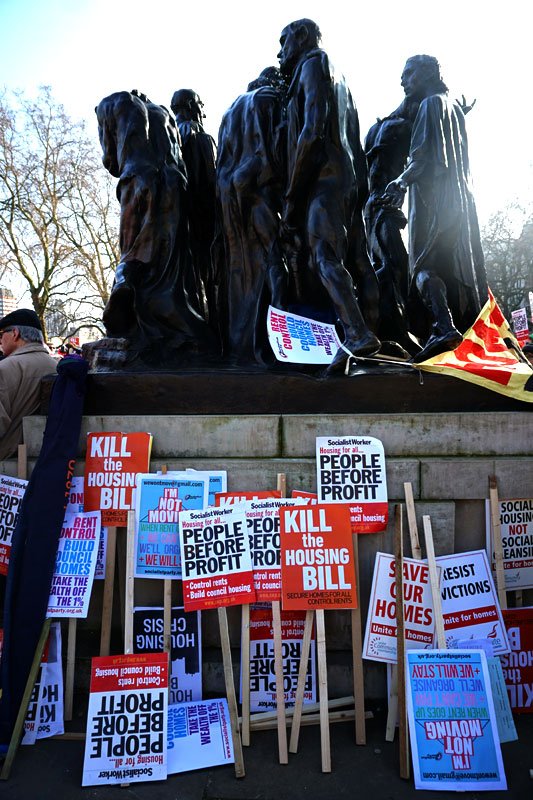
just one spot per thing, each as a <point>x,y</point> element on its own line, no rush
<point>187,105</point>
<point>19,328</point>
<point>270,76</point>
<point>297,38</point>
<point>421,77</point>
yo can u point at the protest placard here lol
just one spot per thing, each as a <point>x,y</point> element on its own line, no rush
<point>263,525</point>
<point>126,737</point>
<point>452,725</point>
<point>11,494</point>
<point>75,564</point>
<point>235,498</point>
<point>186,648</point>
<point>199,736</point>
<point>112,463</point>
<point>261,655</point>
<point>215,557</point>
<point>75,503</point>
<point>217,481</point>
<point>516,524</point>
<point>300,340</point>
<point>419,621</point>
<point>470,607</point>
<point>317,564</point>
<point>351,469</point>
<point>502,707</point>
<point>311,497</point>
<point>44,716</point>
<point>158,502</point>
<point>518,664</point>
<point>520,325</point>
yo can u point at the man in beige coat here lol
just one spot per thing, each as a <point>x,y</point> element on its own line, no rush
<point>26,361</point>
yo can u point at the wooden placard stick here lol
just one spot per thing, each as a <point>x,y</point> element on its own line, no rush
<point>357,660</point>
<point>230,691</point>
<point>280,691</point>
<point>497,540</point>
<point>400,642</point>
<point>300,688</point>
<point>416,550</point>
<point>323,690</point>
<point>23,708</point>
<point>22,462</point>
<point>245,674</point>
<point>434,581</point>
<point>69,673</point>
<point>167,602</point>
<point>109,584</point>
<point>130,584</point>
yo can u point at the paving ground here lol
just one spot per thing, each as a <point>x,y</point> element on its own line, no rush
<point>52,769</point>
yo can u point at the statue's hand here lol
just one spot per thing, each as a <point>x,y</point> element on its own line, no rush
<point>394,194</point>
<point>465,107</point>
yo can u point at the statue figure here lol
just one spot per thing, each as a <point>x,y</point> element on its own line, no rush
<point>387,148</point>
<point>250,176</point>
<point>199,154</point>
<point>325,175</point>
<point>445,257</point>
<point>151,302</point>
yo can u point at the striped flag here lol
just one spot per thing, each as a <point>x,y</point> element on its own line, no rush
<point>489,356</point>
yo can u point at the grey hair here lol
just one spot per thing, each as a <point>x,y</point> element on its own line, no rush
<point>29,334</point>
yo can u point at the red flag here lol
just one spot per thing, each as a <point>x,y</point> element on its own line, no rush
<point>489,356</point>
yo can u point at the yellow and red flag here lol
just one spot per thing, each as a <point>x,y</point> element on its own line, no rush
<point>489,356</point>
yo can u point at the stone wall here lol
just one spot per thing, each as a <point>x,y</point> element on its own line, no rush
<point>446,457</point>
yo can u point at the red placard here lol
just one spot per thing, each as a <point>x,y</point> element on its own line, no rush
<point>317,564</point>
<point>518,664</point>
<point>233,498</point>
<point>112,463</point>
<point>129,672</point>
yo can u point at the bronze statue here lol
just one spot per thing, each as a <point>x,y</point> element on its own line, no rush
<point>199,154</point>
<point>387,148</point>
<point>152,302</point>
<point>445,257</point>
<point>250,175</point>
<point>324,190</point>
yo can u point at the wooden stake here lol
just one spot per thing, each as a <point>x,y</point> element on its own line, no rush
<point>230,691</point>
<point>130,584</point>
<point>400,642</point>
<point>323,690</point>
<point>167,615</point>
<point>300,688</point>
<point>245,674</point>
<point>22,462</point>
<point>280,692</point>
<point>69,674</point>
<point>497,540</point>
<point>411,519</point>
<point>357,660</point>
<point>23,709</point>
<point>392,712</point>
<point>434,581</point>
<point>109,582</point>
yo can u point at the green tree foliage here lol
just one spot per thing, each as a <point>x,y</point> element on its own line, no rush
<point>58,213</point>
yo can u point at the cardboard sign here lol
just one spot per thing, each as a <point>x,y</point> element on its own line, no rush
<point>502,707</point>
<point>300,340</point>
<point>516,520</point>
<point>351,469</point>
<point>186,648</point>
<point>127,720</point>
<point>199,736</point>
<point>44,717</point>
<point>520,325</point>
<point>263,525</point>
<point>317,564</point>
<point>470,607</point>
<point>158,502</point>
<point>419,620</point>
<point>75,503</point>
<point>112,463</point>
<point>11,494</point>
<point>75,565</point>
<point>452,724</point>
<point>216,560</point>
<point>518,664</point>
<point>262,668</point>
<point>235,498</point>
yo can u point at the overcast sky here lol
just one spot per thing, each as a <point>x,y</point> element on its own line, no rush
<point>86,49</point>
